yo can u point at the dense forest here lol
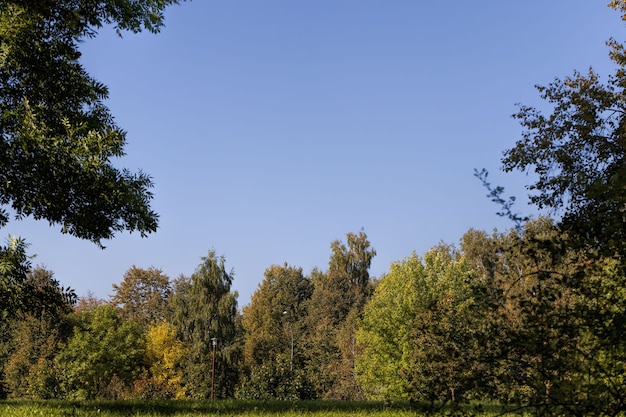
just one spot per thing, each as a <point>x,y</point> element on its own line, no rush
<point>532,317</point>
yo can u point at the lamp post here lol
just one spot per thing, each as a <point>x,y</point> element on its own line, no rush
<point>290,331</point>
<point>214,343</point>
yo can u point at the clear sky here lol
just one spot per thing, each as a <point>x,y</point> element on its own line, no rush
<point>273,127</point>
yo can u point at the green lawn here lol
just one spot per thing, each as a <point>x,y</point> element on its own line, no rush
<point>212,408</point>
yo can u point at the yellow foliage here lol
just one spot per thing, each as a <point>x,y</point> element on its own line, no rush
<point>163,355</point>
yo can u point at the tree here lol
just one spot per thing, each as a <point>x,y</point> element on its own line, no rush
<point>578,153</point>
<point>30,370</point>
<point>336,305</point>
<point>14,267</point>
<point>57,138</point>
<point>385,330</point>
<point>441,362</point>
<point>46,296</point>
<point>550,317</point>
<point>142,296</point>
<point>416,330</point>
<point>164,354</point>
<point>273,325</point>
<point>602,310</point>
<point>103,356</point>
<point>88,302</point>
<point>204,309</point>
<point>33,337</point>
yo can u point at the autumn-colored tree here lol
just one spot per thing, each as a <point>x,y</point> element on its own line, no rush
<point>142,296</point>
<point>31,371</point>
<point>164,354</point>
<point>88,302</point>
<point>33,336</point>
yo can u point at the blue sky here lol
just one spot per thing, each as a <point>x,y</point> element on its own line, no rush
<point>273,127</point>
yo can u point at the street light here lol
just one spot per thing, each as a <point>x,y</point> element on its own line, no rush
<point>290,331</point>
<point>214,343</point>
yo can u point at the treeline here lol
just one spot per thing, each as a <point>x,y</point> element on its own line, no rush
<point>182,338</point>
<point>520,317</point>
<point>533,317</point>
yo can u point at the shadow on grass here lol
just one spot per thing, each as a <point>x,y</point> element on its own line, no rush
<point>171,407</point>
<point>239,407</point>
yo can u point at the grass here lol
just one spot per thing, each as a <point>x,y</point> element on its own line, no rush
<point>233,408</point>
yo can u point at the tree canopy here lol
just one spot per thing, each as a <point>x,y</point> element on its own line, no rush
<point>142,296</point>
<point>57,138</point>
<point>578,153</point>
<point>204,312</point>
